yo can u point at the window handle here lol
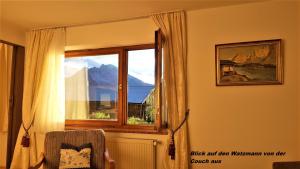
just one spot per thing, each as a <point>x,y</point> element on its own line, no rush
<point>120,86</point>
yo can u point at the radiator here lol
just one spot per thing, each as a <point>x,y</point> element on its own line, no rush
<point>132,153</point>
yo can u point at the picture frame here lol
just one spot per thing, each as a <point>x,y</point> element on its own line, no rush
<point>249,63</point>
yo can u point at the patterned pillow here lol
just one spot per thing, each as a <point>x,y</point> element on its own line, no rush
<point>75,157</point>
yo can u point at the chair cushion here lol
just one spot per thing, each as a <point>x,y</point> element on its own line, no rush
<point>75,157</point>
<point>54,140</point>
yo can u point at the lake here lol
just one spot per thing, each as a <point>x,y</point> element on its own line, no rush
<point>257,73</point>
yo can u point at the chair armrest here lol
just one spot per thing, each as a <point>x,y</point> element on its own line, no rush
<point>111,162</point>
<point>40,161</point>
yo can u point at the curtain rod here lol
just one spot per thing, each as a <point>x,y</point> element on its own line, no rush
<point>112,21</point>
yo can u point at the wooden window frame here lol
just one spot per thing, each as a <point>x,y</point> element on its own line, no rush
<point>121,124</point>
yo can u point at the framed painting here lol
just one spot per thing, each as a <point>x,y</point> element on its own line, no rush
<point>249,63</point>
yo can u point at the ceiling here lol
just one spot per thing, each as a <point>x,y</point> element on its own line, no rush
<point>28,14</point>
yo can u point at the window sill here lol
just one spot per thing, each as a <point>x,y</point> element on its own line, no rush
<point>141,131</point>
<point>123,129</point>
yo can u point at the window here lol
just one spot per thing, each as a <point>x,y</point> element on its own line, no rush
<point>114,88</point>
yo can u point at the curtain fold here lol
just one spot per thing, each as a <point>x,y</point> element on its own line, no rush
<point>173,26</point>
<point>6,52</point>
<point>43,98</point>
<point>77,98</point>
<point>6,55</point>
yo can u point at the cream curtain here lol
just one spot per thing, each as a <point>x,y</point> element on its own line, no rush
<point>43,100</point>
<point>5,81</point>
<point>173,26</point>
<point>6,52</point>
<point>77,103</point>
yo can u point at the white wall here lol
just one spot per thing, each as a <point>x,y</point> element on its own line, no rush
<point>131,32</point>
<point>12,33</point>
<point>243,118</point>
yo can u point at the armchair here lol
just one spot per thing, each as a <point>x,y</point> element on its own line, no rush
<point>286,165</point>
<point>51,156</point>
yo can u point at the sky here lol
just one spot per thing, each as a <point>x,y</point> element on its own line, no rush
<point>141,64</point>
<point>227,53</point>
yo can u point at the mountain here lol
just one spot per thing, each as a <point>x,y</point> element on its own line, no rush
<point>108,75</point>
<point>262,56</point>
<point>91,63</point>
<point>104,80</point>
<point>103,75</point>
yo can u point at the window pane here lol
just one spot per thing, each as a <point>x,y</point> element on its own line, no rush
<point>141,85</point>
<point>92,87</point>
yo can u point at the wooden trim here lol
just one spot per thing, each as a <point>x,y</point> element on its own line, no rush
<point>102,51</point>
<point>246,42</point>
<point>121,88</point>
<point>125,87</point>
<point>10,43</point>
<point>10,132</point>
<point>158,75</point>
<point>279,63</point>
<point>122,129</point>
<point>140,47</point>
<point>91,123</point>
<point>140,131</point>
<point>15,112</point>
<point>92,52</point>
<point>110,161</point>
<point>70,124</point>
